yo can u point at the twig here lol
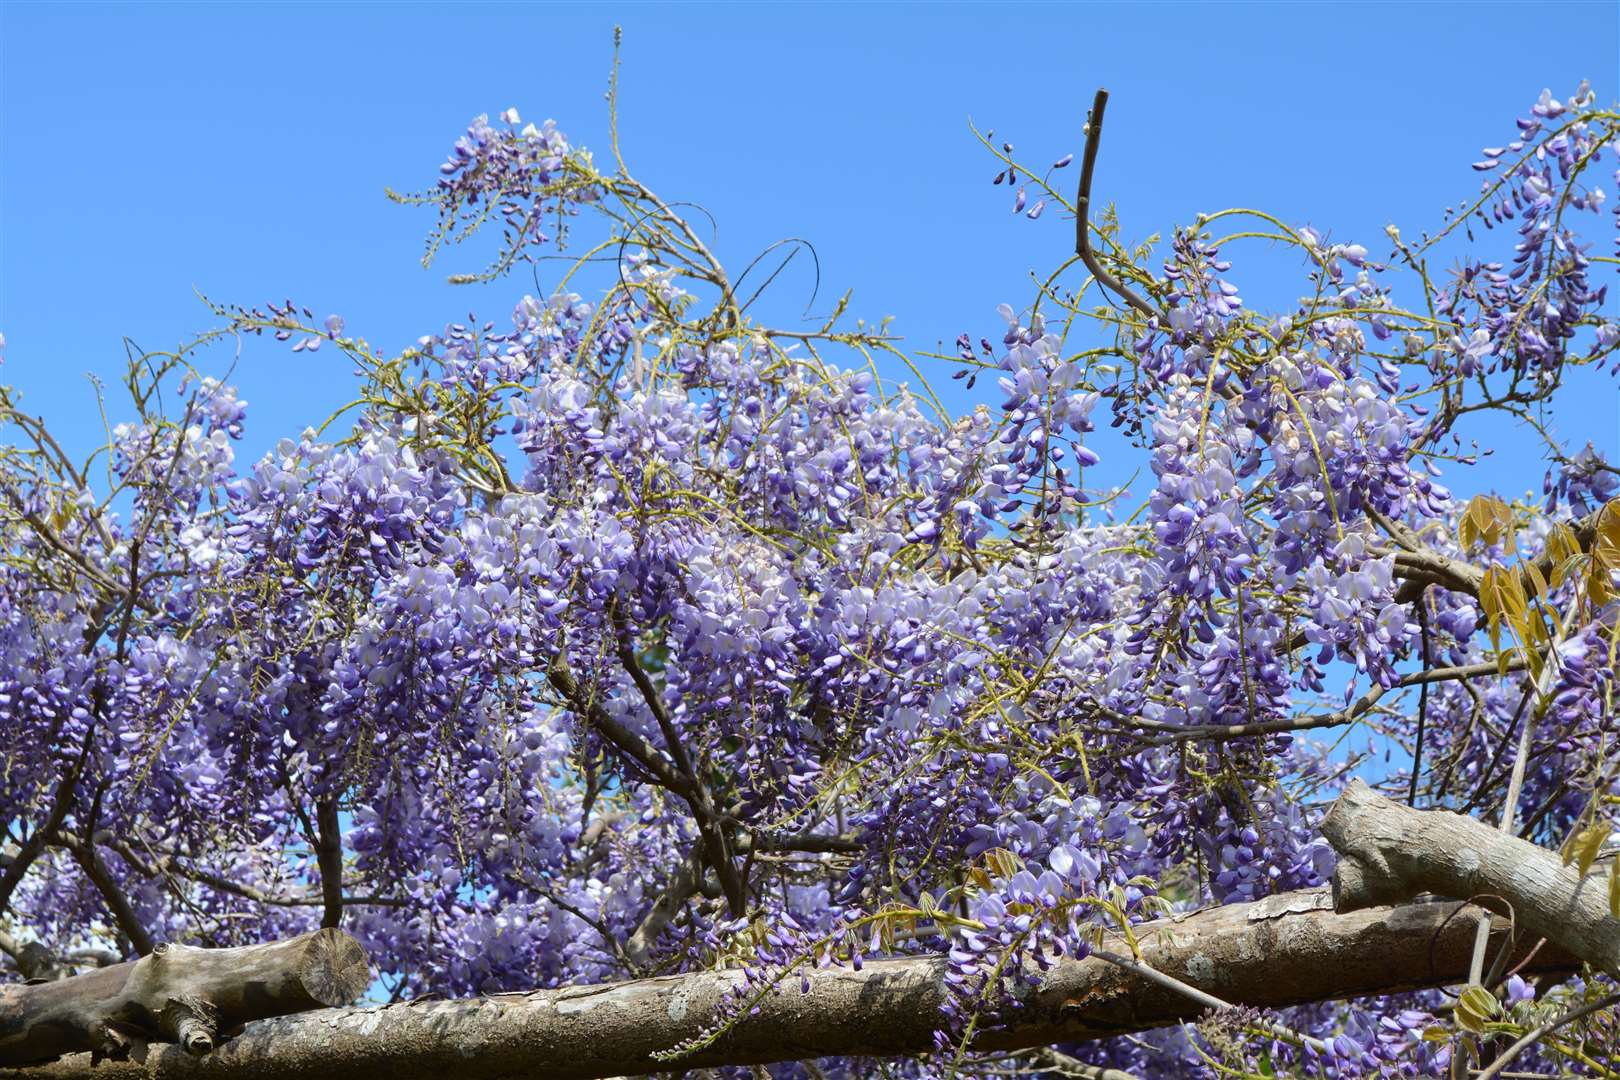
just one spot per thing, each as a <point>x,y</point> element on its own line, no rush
<point>1495,1068</point>
<point>1082,221</point>
<point>1422,605</point>
<point>1209,1001</point>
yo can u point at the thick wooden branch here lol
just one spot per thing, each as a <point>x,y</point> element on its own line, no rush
<point>36,963</point>
<point>178,993</point>
<point>1389,853</point>
<point>1287,950</point>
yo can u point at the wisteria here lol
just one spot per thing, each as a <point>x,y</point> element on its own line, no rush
<point>629,635</point>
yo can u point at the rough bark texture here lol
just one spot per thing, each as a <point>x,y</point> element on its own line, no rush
<point>1389,853</point>
<point>1286,950</point>
<point>180,994</point>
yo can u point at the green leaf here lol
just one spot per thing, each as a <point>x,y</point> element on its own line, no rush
<point>1003,863</point>
<point>1475,1007</point>
<point>1561,546</point>
<point>1536,580</point>
<point>1584,846</point>
<point>1614,889</point>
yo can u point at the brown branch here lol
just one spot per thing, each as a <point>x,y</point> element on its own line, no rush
<point>1422,605</point>
<point>36,963</point>
<point>602,929</point>
<point>33,960</point>
<point>1287,950</point>
<point>329,860</point>
<point>1420,565</point>
<point>41,837</point>
<point>1199,997</point>
<point>168,862</point>
<point>89,859</point>
<point>635,747</point>
<point>177,994</point>
<point>815,843</point>
<point>1082,220</point>
<point>1170,734</point>
<point>1389,852</point>
<point>681,888</point>
<point>715,840</point>
<point>644,754</point>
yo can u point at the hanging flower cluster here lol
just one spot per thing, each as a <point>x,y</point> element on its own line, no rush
<point>637,636</point>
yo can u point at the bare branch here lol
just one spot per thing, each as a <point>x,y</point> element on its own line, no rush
<point>1389,852</point>
<point>114,1010</point>
<point>1287,950</point>
<point>1082,222</point>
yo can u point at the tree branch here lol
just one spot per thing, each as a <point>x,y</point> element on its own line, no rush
<point>681,888</point>
<point>178,993</point>
<point>34,846</point>
<point>329,859</point>
<point>89,859</point>
<point>1082,220</point>
<point>628,742</point>
<point>1420,565</point>
<point>36,963</point>
<point>1283,951</point>
<point>1063,1065</point>
<point>715,840</point>
<point>1170,734</point>
<point>1534,1035</point>
<point>1389,853</point>
<point>170,862</point>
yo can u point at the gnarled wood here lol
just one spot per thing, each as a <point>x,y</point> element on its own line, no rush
<point>178,993</point>
<point>1389,853</point>
<point>1286,950</point>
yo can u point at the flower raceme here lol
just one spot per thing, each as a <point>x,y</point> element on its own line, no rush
<point>640,636</point>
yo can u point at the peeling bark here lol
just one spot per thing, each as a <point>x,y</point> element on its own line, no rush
<point>177,993</point>
<point>1286,950</point>
<point>1389,853</point>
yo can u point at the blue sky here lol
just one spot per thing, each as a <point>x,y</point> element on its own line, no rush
<point>242,151</point>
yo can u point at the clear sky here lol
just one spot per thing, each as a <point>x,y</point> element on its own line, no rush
<point>242,151</point>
